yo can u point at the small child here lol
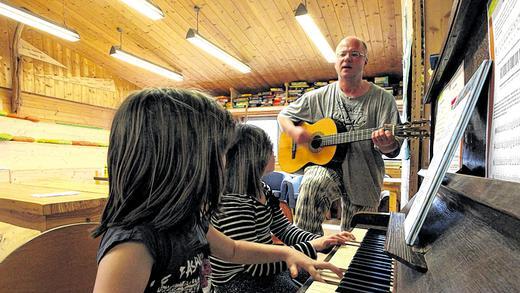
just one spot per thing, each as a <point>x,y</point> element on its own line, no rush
<point>250,212</point>
<point>166,167</point>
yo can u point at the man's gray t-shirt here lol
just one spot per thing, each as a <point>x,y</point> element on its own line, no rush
<point>363,168</point>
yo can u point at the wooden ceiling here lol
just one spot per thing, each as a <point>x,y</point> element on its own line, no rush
<point>262,33</point>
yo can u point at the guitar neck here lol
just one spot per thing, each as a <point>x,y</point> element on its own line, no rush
<point>346,137</point>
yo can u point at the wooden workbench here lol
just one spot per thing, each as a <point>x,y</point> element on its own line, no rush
<point>18,206</point>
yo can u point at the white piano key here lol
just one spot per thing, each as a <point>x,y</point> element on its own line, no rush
<point>319,287</point>
<point>343,256</point>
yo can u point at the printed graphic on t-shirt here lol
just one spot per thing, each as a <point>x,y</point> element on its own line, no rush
<point>351,117</point>
<point>193,277</point>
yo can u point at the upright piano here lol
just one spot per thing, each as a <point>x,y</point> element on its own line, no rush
<point>469,242</point>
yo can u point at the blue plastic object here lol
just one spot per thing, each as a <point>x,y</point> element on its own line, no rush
<point>291,189</point>
<point>274,180</point>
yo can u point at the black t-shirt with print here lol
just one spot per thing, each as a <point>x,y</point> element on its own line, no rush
<point>181,258</point>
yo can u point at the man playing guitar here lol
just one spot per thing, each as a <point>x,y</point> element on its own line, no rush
<point>355,104</point>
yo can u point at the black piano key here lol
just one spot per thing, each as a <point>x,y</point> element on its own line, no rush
<point>351,287</point>
<point>380,255</point>
<point>371,259</point>
<point>351,282</point>
<point>373,247</point>
<point>371,256</point>
<point>371,269</point>
<point>377,269</point>
<point>373,263</point>
<point>352,290</point>
<point>383,277</point>
<point>369,277</point>
<point>354,282</point>
<point>379,252</point>
<point>372,239</point>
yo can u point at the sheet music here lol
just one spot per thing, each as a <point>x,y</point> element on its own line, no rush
<point>504,149</point>
<point>443,117</point>
<point>461,111</point>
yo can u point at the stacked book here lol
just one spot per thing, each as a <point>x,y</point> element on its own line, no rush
<point>383,82</point>
<point>317,85</point>
<point>225,101</point>
<point>295,90</point>
<point>255,100</point>
<point>241,101</point>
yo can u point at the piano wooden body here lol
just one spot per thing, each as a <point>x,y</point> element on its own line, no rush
<point>470,240</point>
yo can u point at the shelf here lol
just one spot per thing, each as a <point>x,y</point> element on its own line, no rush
<point>256,111</point>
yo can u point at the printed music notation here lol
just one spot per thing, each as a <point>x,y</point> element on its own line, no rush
<point>504,27</point>
<point>508,126</point>
<point>508,143</point>
<point>507,161</point>
<point>504,151</point>
<point>504,106</point>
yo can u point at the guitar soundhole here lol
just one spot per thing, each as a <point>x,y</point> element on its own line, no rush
<point>316,142</point>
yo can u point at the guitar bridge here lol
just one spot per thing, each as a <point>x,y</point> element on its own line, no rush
<point>293,150</point>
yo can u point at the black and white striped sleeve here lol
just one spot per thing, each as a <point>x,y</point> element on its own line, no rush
<point>237,219</point>
<point>292,235</point>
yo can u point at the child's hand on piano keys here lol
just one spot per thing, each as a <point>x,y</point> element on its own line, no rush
<point>328,241</point>
<point>296,260</point>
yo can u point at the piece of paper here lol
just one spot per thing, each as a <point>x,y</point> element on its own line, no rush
<point>504,43</point>
<point>461,109</point>
<point>64,193</point>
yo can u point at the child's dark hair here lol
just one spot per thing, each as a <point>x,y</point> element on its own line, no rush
<point>165,159</point>
<point>246,160</point>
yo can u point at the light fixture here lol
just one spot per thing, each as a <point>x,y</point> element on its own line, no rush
<point>38,22</point>
<point>146,8</point>
<point>117,52</point>
<point>314,33</point>
<point>195,38</point>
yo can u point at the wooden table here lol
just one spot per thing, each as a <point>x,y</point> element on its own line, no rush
<point>18,206</point>
<point>74,185</point>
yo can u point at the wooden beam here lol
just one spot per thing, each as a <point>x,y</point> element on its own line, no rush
<point>417,93</point>
<point>16,59</point>
<point>28,50</point>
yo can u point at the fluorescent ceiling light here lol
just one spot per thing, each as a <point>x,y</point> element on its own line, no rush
<point>314,33</point>
<point>146,8</point>
<point>116,52</point>
<point>38,22</point>
<point>212,49</point>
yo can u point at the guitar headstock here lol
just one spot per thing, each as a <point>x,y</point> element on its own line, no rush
<point>417,129</point>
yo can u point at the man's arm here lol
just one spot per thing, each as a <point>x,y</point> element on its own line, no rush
<point>296,132</point>
<point>385,141</point>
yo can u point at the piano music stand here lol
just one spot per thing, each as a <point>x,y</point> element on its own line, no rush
<point>402,232</point>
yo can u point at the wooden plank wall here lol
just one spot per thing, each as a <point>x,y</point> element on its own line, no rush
<point>77,94</point>
<point>33,161</point>
<point>43,82</point>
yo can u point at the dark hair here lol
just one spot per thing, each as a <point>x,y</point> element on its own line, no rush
<point>246,160</point>
<point>165,159</point>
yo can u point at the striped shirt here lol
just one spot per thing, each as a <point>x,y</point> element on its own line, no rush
<point>243,217</point>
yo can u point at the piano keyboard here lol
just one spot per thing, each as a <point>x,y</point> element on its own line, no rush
<point>367,267</point>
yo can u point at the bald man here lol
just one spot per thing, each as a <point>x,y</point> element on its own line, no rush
<point>354,104</point>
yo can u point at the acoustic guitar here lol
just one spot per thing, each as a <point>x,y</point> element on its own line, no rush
<point>325,138</point>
